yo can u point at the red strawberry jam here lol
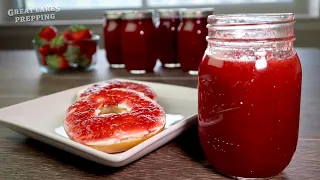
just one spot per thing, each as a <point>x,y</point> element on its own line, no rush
<point>112,114</point>
<point>147,91</point>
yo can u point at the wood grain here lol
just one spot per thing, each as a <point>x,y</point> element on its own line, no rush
<point>182,158</point>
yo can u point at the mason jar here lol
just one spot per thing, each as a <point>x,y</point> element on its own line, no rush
<point>249,94</point>
<point>138,41</point>
<point>112,38</point>
<point>167,37</point>
<point>192,34</point>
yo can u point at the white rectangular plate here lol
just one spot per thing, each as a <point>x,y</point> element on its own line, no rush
<point>42,119</point>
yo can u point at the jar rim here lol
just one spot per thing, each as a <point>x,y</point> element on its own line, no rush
<point>250,19</point>
<point>196,12</point>
<point>113,14</point>
<point>168,13</point>
<point>137,14</point>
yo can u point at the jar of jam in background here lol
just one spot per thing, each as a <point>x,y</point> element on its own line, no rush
<point>167,37</point>
<point>192,34</point>
<point>138,41</point>
<point>249,94</point>
<point>112,38</point>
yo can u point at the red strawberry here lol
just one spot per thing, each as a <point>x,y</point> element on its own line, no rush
<point>80,44</point>
<point>91,47</point>
<point>80,32</point>
<point>85,60</point>
<point>57,61</point>
<point>43,60</point>
<point>58,45</point>
<point>45,50</point>
<point>46,33</point>
<point>86,46</point>
<point>67,35</point>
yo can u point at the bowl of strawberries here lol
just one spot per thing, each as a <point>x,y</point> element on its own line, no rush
<point>74,49</point>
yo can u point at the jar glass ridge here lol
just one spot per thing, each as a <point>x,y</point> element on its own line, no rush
<point>251,34</point>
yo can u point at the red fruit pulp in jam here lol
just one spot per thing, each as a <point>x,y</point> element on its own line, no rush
<point>192,43</point>
<point>249,114</point>
<point>167,36</point>
<point>138,42</point>
<point>84,125</point>
<point>112,41</point>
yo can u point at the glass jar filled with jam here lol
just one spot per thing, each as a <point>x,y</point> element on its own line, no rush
<point>192,34</point>
<point>167,37</point>
<point>112,38</point>
<point>138,41</point>
<point>249,94</point>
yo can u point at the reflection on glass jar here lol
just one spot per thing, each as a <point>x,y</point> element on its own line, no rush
<point>112,38</point>
<point>192,38</point>
<point>249,94</point>
<point>167,37</point>
<point>138,41</point>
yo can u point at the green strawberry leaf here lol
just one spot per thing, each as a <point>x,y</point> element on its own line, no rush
<point>84,61</point>
<point>71,53</point>
<point>78,27</point>
<point>57,42</point>
<point>40,41</point>
<point>53,61</point>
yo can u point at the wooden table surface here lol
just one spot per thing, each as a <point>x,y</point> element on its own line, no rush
<point>24,158</point>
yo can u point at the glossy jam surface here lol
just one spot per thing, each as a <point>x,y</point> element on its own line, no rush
<point>138,42</point>
<point>167,37</point>
<point>192,43</point>
<point>112,41</point>
<point>85,125</point>
<point>147,91</point>
<point>249,114</point>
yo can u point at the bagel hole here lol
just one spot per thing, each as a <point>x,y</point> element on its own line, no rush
<point>114,110</point>
<point>120,108</point>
